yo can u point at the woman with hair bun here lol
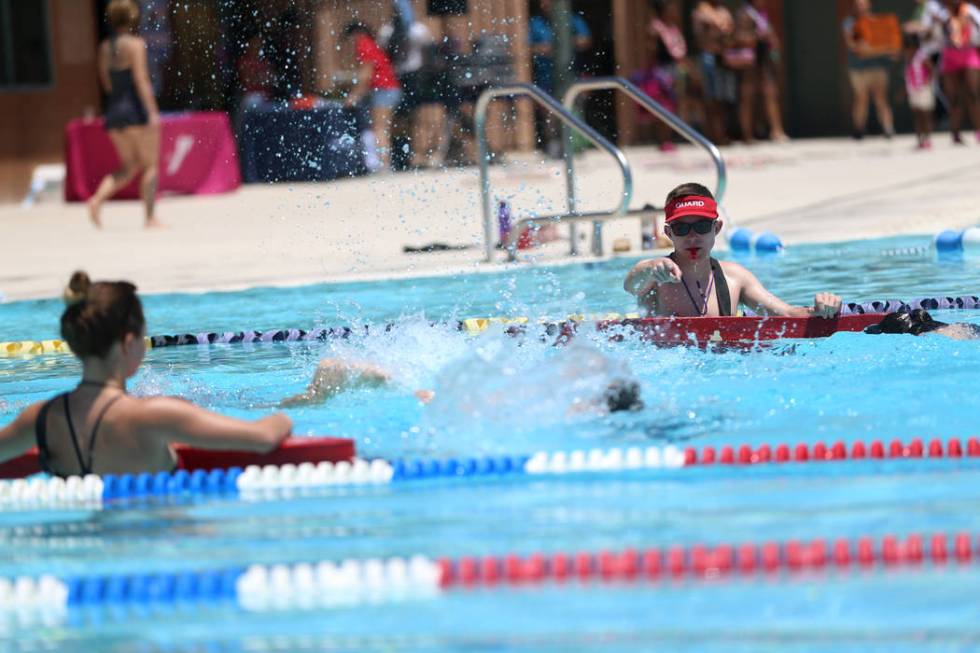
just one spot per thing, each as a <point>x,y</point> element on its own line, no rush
<point>97,428</point>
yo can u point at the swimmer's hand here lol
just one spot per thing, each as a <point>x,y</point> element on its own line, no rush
<point>826,305</point>
<point>425,396</point>
<point>645,275</point>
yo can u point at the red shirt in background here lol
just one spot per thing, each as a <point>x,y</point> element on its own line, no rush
<point>369,52</point>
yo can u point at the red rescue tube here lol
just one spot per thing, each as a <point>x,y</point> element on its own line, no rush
<point>291,451</point>
<point>703,331</point>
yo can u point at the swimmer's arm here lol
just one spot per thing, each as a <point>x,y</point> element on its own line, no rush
<point>141,77</point>
<point>176,420</point>
<point>335,376</point>
<point>18,436</point>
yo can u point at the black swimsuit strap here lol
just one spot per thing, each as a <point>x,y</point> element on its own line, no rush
<point>721,288</point>
<point>87,469</point>
<point>95,429</point>
<point>41,434</point>
<point>74,437</point>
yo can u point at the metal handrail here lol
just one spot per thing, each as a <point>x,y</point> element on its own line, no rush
<point>654,107</point>
<point>569,120</point>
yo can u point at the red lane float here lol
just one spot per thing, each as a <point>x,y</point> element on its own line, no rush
<point>701,561</point>
<point>819,452</point>
<point>705,331</point>
<point>292,451</point>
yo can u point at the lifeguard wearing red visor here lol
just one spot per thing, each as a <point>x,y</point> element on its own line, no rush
<point>690,282</point>
<point>691,205</point>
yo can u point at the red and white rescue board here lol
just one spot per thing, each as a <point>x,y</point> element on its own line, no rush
<point>291,451</point>
<point>735,331</point>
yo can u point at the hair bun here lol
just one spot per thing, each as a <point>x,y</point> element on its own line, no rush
<point>77,289</point>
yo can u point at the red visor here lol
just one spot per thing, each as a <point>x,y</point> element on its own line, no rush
<point>682,207</point>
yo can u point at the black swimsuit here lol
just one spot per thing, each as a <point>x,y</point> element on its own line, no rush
<point>41,431</point>
<point>123,107</point>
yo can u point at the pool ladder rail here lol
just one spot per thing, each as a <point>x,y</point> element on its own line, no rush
<point>564,112</point>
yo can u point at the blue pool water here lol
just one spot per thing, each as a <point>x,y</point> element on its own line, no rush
<point>495,393</point>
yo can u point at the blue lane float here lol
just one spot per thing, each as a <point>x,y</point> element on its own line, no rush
<point>955,241</point>
<point>746,240</point>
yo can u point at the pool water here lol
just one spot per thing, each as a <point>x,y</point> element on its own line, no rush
<point>499,394</point>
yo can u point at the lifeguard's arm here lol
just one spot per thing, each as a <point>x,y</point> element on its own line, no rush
<point>334,376</point>
<point>176,420</point>
<point>755,296</point>
<point>141,78</point>
<point>645,275</point>
<point>18,436</point>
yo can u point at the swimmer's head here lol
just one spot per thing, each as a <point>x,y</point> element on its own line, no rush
<point>104,319</point>
<point>915,322</point>
<point>622,394</point>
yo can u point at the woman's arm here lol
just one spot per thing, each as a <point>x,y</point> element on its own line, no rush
<point>176,420</point>
<point>363,86</point>
<point>18,436</point>
<point>103,66</point>
<point>141,77</point>
<point>850,38</point>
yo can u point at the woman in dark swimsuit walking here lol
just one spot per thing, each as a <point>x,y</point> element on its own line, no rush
<point>97,428</point>
<point>131,117</point>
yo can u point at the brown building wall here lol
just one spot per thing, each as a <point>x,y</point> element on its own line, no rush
<point>32,120</point>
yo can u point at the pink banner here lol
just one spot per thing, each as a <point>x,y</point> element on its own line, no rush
<point>197,157</point>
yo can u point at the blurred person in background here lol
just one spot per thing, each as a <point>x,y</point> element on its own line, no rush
<point>542,39</point>
<point>714,29</point>
<point>867,66</point>
<point>919,88</point>
<point>665,80</point>
<point>961,64</point>
<point>754,32</point>
<point>256,77</point>
<point>406,41</point>
<point>131,114</point>
<point>377,91</point>
<point>927,23</point>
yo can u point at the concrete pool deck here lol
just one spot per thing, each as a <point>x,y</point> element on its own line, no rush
<point>289,234</point>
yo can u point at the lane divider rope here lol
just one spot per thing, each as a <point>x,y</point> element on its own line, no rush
<point>262,588</point>
<point>470,325</point>
<point>93,491</point>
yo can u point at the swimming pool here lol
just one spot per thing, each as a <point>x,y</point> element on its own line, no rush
<point>497,394</point>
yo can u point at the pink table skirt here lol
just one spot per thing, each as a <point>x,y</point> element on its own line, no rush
<point>197,157</point>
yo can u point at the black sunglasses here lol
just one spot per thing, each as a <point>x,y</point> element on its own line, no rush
<point>683,228</point>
